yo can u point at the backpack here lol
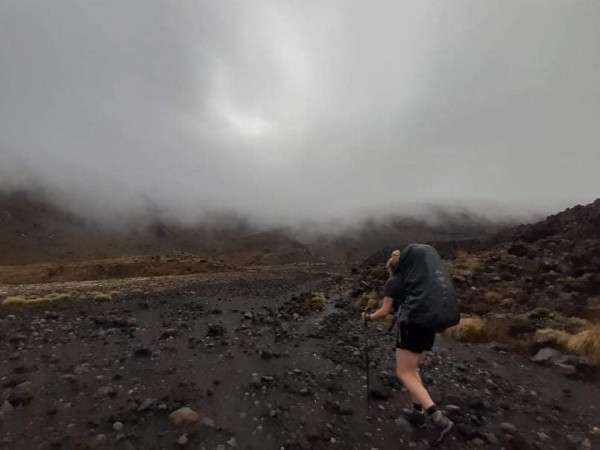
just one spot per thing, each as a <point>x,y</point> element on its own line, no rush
<point>429,300</point>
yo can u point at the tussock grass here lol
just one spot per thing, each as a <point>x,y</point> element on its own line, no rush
<point>374,303</point>
<point>576,324</point>
<point>368,301</point>
<point>14,301</point>
<point>493,297</point>
<point>586,343</point>
<point>500,328</point>
<point>469,329</point>
<point>465,262</point>
<point>316,302</point>
<point>20,300</point>
<point>102,297</point>
<point>549,337</point>
<point>362,302</point>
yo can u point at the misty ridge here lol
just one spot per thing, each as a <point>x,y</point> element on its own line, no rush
<point>34,229</point>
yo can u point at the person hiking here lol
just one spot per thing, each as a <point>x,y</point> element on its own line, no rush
<point>422,297</point>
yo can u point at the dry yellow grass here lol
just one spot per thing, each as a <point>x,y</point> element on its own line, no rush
<point>501,328</point>
<point>368,301</point>
<point>316,302</point>
<point>493,297</point>
<point>20,300</point>
<point>362,302</point>
<point>552,338</point>
<point>374,303</point>
<point>102,297</point>
<point>576,324</point>
<point>470,329</point>
<point>14,301</point>
<point>465,262</point>
<point>586,343</point>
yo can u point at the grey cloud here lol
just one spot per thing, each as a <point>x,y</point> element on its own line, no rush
<point>295,111</point>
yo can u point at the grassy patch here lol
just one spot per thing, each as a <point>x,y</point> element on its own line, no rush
<point>586,343</point>
<point>20,300</point>
<point>469,329</point>
<point>315,302</point>
<point>466,263</point>
<point>102,297</point>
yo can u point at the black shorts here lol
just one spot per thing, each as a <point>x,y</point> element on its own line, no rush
<point>415,338</point>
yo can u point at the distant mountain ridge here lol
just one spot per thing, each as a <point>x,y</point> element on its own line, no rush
<point>34,230</point>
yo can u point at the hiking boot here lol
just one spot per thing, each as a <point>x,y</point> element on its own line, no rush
<point>415,417</point>
<point>443,424</point>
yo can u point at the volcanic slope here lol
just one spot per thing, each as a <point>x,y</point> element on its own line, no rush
<point>265,364</point>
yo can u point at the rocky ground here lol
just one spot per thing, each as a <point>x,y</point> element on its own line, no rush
<point>258,372</point>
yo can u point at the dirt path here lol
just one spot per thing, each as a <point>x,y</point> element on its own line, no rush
<point>107,375</point>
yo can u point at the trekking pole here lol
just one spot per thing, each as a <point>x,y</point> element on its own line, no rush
<point>367,362</point>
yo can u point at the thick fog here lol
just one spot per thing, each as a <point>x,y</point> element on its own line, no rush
<point>300,110</point>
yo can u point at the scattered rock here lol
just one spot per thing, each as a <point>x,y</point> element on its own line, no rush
<point>208,422</point>
<point>543,436</point>
<point>215,329</point>
<point>184,417</point>
<point>566,369</point>
<point>6,407</point>
<point>508,428</point>
<point>118,426</point>
<point>467,431</point>
<point>491,438</point>
<point>22,394</point>
<point>17,338</point>
<point>380,392</point>
<point>404,425</point>
<point>183,440</point>
<point>69,377</point>
<point>142,352</point>
<point>546,356</point>
<point>146,404</point>
<point>108,391</point>
<point>99,440</point>
<point>255,380</point>
<point>169,333</point>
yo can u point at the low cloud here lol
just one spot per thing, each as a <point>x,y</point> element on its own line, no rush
<point>289,112</point>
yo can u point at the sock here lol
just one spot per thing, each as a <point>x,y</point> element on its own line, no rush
<point>432,410</point>
<point>417,407</point>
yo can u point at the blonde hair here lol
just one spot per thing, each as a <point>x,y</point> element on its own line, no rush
<point>394,261</point>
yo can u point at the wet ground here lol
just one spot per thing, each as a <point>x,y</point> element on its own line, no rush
<point>260,376</point>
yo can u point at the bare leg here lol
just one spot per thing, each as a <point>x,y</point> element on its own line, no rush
<point>422,359</point>
<point>407,369</point>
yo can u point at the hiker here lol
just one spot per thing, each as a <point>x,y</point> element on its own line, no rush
<point>422,298</point>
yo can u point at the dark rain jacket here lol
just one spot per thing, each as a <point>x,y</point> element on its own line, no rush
<point>427,297</point>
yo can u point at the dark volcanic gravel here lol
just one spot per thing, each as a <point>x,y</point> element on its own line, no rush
<point>259,375</point>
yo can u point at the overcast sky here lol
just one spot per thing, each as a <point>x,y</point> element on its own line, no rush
<point>293,110</point>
